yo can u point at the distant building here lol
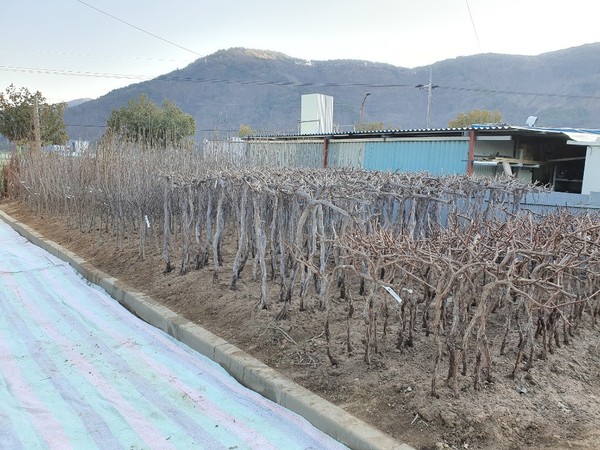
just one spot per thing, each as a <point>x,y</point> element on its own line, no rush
<point>78,146</point>
<point>74,147</point>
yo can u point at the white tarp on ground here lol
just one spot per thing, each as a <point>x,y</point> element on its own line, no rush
<point>79,371</point>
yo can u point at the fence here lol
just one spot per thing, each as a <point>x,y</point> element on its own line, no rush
<point>548,202</point>
<point>310,154</point>
<point>4,158</point>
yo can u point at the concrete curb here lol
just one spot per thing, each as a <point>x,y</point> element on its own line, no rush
<point>249,371</point>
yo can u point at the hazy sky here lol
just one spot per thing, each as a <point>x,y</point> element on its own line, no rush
<point>67,49</point>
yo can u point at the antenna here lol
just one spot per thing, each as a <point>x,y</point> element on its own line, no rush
<point>531,121</point>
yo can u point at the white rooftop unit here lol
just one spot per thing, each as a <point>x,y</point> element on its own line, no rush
<point>316,114</point>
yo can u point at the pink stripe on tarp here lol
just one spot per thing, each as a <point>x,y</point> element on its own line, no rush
<point>82,316</point>
<point>238,428</point>
<point>139,423</point>
<point>90,425</point>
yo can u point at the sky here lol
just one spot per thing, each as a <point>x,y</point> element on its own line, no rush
<point>69,49</point>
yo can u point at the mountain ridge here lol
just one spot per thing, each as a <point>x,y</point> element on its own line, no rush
<point>262,88</point>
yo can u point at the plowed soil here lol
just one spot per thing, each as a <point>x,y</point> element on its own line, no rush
<point>556,404</point>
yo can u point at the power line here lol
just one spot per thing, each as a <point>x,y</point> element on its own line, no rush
<point>138,28</point>
<point>535,94</point>
<point>487,69</point>
<point>81,125</point>
<point>89,55</point>
<point>289,84</point>
<point>171,42</point>
<point>74,73</point>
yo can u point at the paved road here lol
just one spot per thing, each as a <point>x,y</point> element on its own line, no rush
<point>79,371</point>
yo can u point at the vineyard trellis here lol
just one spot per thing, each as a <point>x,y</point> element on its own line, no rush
<point>457,251</point>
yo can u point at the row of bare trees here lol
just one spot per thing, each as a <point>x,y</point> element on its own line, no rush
<point>531,280</point>
<point>452,258</point>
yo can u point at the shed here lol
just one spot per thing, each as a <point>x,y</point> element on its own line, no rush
<point>566,158</point>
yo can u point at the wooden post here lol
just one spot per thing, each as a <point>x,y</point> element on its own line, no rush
<point>37,135</point>
<point>325,152</point>
<point>472,141</point>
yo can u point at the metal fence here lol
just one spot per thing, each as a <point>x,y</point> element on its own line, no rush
<point>259,153</point>
<point>353,154</point>
<point>548,202</point>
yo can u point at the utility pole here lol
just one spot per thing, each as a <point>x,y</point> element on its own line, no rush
<point>430,87</point>
<point>362,108</point>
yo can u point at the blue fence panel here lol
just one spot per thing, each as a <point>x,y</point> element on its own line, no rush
<point>549,202</point>
<point>438,157</point>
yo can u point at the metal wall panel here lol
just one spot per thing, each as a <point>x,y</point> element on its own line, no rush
<point>438,157</point>
<point>225,153</point>
<point>591,180</point>
<point>346,154</point>
<point>285,154</point>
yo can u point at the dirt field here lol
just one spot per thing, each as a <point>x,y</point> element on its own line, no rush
<point>556,404</point>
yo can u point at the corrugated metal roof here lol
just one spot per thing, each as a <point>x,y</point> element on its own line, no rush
<point>577,134</point>
<point>562,130</point>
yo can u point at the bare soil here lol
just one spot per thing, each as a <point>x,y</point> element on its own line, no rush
<point>554,405</point>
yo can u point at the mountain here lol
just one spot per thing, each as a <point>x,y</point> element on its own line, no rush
<point>262,88</point>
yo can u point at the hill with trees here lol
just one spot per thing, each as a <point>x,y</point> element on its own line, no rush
<point>262,89</point>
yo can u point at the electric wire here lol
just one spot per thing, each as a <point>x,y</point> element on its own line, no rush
<point>296,84</point>
<point>167,41</point>
<point>129,24</point>
<point>487,69</point>
<point>289,85</point>
<point>74,73</point>
<point>89,55</point>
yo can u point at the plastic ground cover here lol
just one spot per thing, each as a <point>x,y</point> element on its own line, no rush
<point>79,371</point>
